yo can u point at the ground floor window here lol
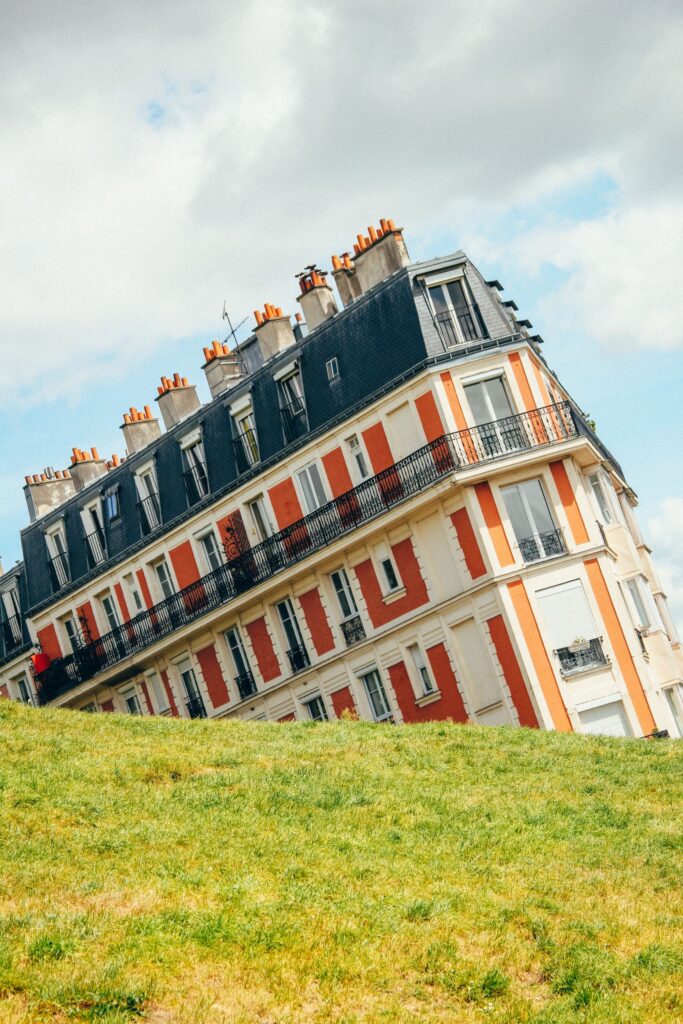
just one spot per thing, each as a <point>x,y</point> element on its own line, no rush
<point>377,695</point>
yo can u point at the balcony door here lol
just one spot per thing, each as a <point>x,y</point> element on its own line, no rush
<point>498,432</point>
<point>457,318</point>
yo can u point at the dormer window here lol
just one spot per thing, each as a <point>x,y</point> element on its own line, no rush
<point>149,508</point>
<point>58,560</point>
<point>244,437</point>
<point>194,470</point>
<point>292,406</point>
<point>457,315</point>
<point>11,627</point>
<point>93,531</point>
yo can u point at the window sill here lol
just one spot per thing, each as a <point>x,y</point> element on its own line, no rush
<point>589,670</point>
<point>428,698</point>
<point>394,595</point>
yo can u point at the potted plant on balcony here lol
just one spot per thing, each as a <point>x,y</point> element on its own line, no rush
<point>578,645</point>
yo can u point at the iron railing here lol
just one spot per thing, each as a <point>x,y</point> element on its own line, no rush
<point>246,685</point>
<point>581,656</point>
<point>60,573</point>
<point>245,445</point>
<point>196,484</point>
<point>353,630</point>
<point>543,545</point>
<point>458,326</point>
<point>298,658</point>
<point>95,548</point>
<point>149,511</point>
<point>195,707</point>
<point>12,632</point>
<point>367,501</point>
<point>294,419</point>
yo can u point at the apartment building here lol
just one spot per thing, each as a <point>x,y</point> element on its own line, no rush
<point>391,507</point>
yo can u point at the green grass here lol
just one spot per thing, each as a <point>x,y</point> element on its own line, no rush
<point>165,871</point>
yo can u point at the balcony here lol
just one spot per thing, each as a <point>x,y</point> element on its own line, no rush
<point>294,420</point>
<point>12,633</point>
<point>95,549</point>
<point>246,685</point>
<point>60,574</point>
<point>457,327</point>
<point>543,545</point>
<point>196,484</point>
<point>298,658</point>
<point>195,707</point>
<point>245,446</point>
<point>353,630</point>
<point>149,511</point>
<point>582,656</point>
<point>435,461</point>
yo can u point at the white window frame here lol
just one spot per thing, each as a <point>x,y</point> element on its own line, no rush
<point>149,498</point>
<point>132,586</point>
<point>599,493</point>
<point>674,699</point>
<point>59,557</point>
<point>419,670</point>
<point>318,700</point>
<point>384,555</point>
<point>12,606</point>
<point>194,443</point>
<point>260,502</point>
<point>646,617</point>
<point>22,680</point>
<point>247,437</point>
<point>332,369</point>
<point>201,538</point>
<point>92,520</point>
<point>358,457</point>
<point>156,688</point>
<point>388,714</point>
<point>131,694</point>
<point>107,595</point>
<point>442,281</point>
<point>305,472</point>
<point>347,591</point>
<point>157,580</point>
<point>520,487</point>
<point>78,640</point>
<point>236,632</point>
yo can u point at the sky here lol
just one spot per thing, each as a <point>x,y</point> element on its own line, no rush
<point>160,159</point>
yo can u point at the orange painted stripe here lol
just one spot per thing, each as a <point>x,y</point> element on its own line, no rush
<point>378,448</point>
<point>569,503</point>
<point>123,604</point>
<point>454,401</point>
<point>85,612</point>
<point>337,472</point>
<point>430,418</point>
<point>494,523</point>
<point>144,588</point>
<point>539,656</point>
<point>283,498</point>
<point>512,672</point>
<point>184,564</point>
<point>540,380</point>
<point>620,646</point>
<point>522,380</point>
<point>467,540</point>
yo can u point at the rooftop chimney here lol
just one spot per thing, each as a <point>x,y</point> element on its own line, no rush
<point>317,298</point>
<point>344,274</point>
<point>273,331</point>
<point>222,368</point>
<point>177,399</point>
<point>378,254</point>
<point>139,429</point>
<point>86,467</point>
<point>46,491</point>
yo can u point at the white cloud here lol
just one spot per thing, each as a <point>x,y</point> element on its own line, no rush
<point>665,533</point>
<point>157,158</point>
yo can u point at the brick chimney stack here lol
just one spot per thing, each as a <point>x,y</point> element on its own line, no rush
<point>273,331</point>
<point>377,255</point>
<point>344,274</point>
<point>317,298</point>
<point>177,399</point>
<point>47,490</point>
<point>86,467</point>
<point>222,368</point>
<point>139,429</point>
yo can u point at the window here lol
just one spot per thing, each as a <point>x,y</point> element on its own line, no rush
<point>195,474</point>
<point>376,694</point>
<point>571,627</point>
<point>245,440</point>
<point>109,609</point>
<point>312,488</point>
<point>94,535</point>
<point>57,556</point>
<point>112,503</point>
<point>600,497</point>
<point>159,694</point>
<point>211,551</point>
<point>498,430</point>
<point>421,669</point>
<point>458,318</point>
<point>73,632</point>
<point>297,653</point>
<point>134,593</point>
<point>342,588</point>
<point>260,519</point>
<point>640,596</point>
<point>194,703</point>
<point>316,709</point>
<point>164,580</point>
<point>532,521</point>
<point>244,678</point>
<point>674,698</point>
<point>148,500</point>
<point>132,703</point>
<point>358,460</point>
<point>389,578</point>
<point>607,719</point>
<point>292,406</point>
<point>332,368</point>
<point>22,689</point>
<point>12,627</point>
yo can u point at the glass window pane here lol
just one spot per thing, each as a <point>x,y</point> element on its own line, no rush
<point>456,296</point>
<point>541,518</point>
<point>477,401</point>
<point>498,398</point>
<point>517,513</point>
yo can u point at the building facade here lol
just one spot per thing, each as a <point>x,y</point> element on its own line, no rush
<point>392,508</point>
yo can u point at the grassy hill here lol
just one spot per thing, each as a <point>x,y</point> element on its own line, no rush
<point>169,871</point>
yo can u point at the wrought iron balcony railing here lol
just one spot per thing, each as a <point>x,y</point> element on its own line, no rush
<point>581,656</point>
<point>95,548</point>
<point>195,707</point>
<point>370,499</point>
<point>458,326</point>
<point>246,685</point>
<point>12,632</point>
<point>149,511</point>
<point>294,420</point>
<point>543,545</point>
<point>353,630</point>
<point>298,658</point>
<point>60,573</point>
<point>245,445</point>
<point>196,484</point>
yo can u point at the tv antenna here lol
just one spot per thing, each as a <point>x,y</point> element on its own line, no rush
<point>233,330</point>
